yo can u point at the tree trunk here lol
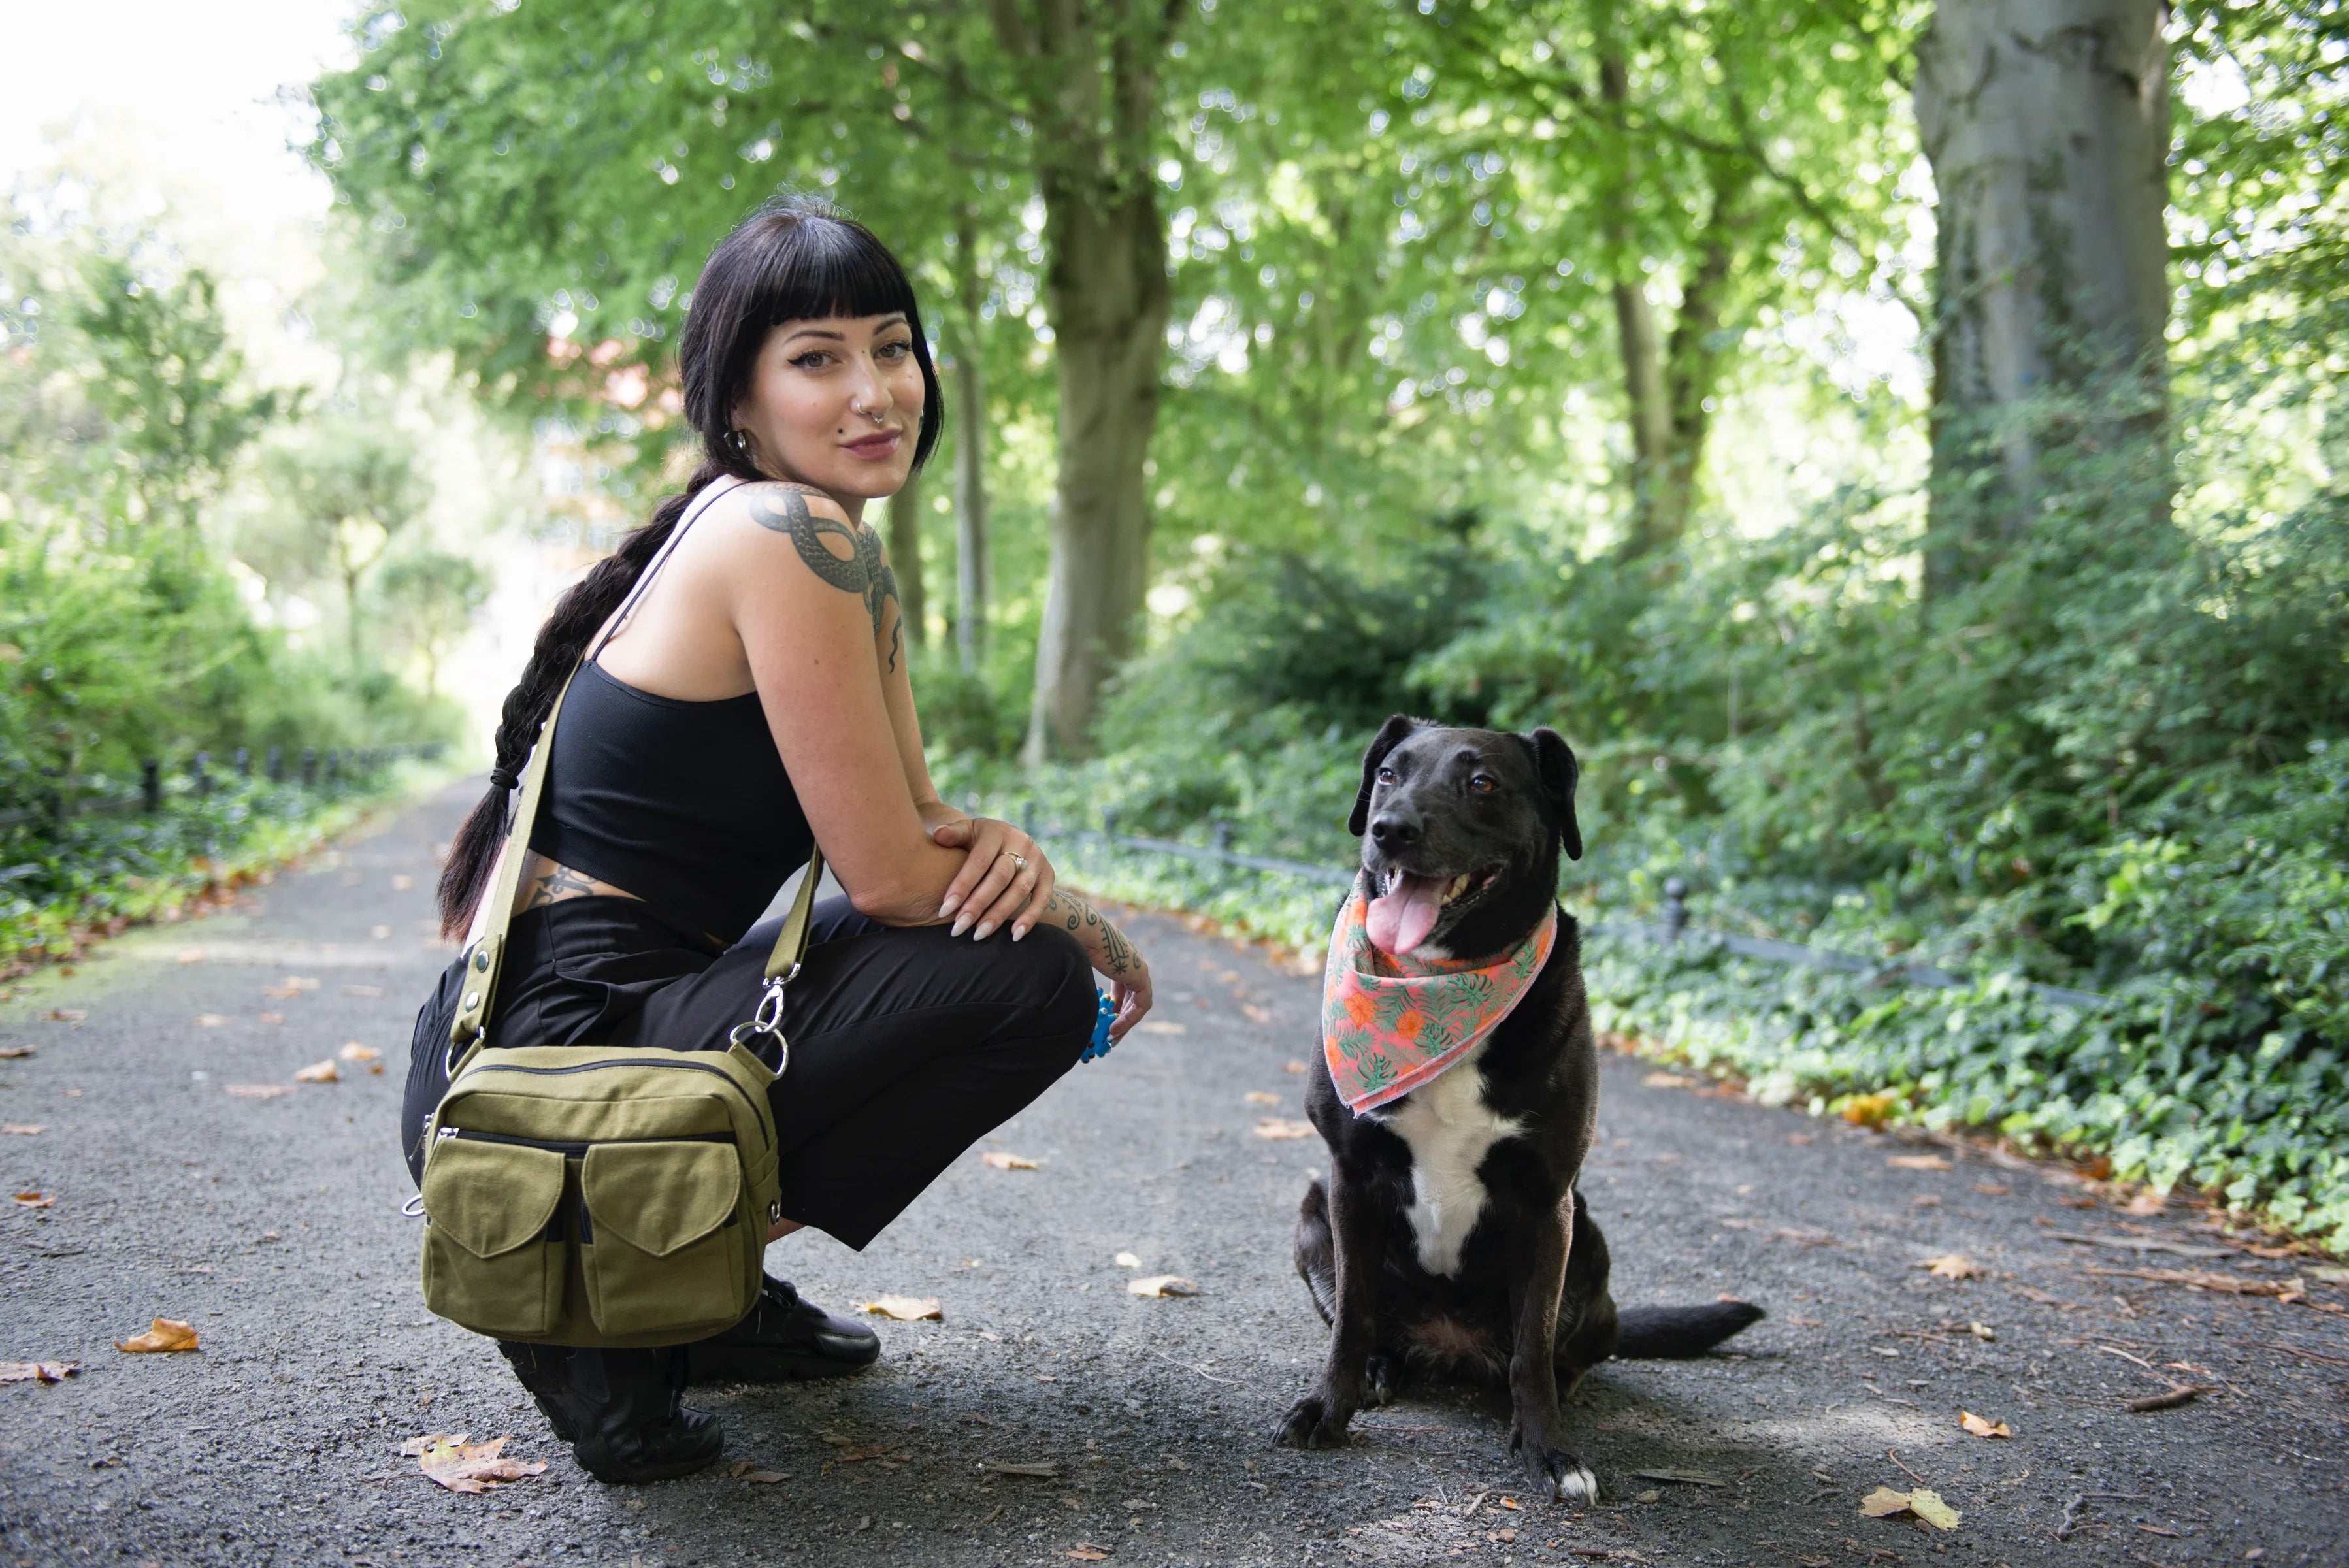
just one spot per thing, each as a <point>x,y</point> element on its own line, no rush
<point>906,556</point>
<point>1636,336</point>
<point>1092,82</point>
<point>970,455</point>
<point>2047,124</point>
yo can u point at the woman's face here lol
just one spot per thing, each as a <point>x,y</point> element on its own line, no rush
<point>836,403</point>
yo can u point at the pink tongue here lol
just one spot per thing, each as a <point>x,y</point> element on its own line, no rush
<point>1402,919</point>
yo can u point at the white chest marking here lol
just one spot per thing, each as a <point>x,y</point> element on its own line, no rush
<point>1449,1128</point>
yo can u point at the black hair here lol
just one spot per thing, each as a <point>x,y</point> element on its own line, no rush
<point>794,259</point>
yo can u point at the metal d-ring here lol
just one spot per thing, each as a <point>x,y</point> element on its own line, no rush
<point>769,1021</point>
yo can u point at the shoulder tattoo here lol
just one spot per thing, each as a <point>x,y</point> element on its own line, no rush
<point>784,510</point>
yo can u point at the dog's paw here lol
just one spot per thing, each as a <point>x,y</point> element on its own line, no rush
<point>1312,1424</point>
<point>1382,1379</point>
<point>1566,1477</point>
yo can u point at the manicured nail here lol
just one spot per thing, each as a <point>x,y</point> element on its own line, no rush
<point>985,930</point>
<point>947,908</point>
<point>1017,932</point>
<point>961,925</point>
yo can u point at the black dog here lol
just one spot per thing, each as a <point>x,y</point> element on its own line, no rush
<point>1450,1235</point>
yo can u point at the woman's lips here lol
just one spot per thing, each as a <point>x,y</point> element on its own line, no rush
<point>874,448</point>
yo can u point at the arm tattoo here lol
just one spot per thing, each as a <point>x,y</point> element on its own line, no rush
<point>861,572</point>
<point>1119,957</point>
<point>561,881</point>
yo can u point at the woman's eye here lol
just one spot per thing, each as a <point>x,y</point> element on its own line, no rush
<point>896,350</point>
<point>1386,776</point>
<point>1482,784</point>
<point>811,359</point>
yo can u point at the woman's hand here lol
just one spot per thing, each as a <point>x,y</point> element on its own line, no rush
<point>1110,954</point>
<point>1004,879</point>
<point>1131,995</point>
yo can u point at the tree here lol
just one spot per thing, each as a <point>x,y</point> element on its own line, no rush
<point>432,598</point>
<point>346,490</point>
<point>2047,122</point>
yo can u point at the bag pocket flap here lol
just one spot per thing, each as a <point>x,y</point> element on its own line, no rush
<point>491,1198</point>
<point>661,1197</point>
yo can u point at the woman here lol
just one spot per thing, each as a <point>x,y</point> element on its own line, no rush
<point>743,696</point>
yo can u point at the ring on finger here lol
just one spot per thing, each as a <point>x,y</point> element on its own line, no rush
<point>1019,860</point>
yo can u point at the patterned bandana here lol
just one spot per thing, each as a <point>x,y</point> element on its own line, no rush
<point>1388,1024</point>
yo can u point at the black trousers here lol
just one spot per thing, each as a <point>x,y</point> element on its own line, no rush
<point>907,1045</point>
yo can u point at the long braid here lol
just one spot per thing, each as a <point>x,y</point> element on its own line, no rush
<point>562,644</point>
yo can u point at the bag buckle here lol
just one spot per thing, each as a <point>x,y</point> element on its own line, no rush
<point>769,1021</point>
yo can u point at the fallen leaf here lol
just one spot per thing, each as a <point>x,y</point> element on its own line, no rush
<point>273,1017</point>
<point>1160,1027</point>
<point>189,955</point>
<point>23,1128</point>
<point>291,986</point>
<point>1951,1265</point>
<point>1993,1189</point>
<point>355,1052</point>
<point>380,932</point>
<point>1868,1110</point>
<point>1126,1261</point>
<point>2147,1201</point>
<point>764,1477</point>
<point>35,1200</point>
<point>1086,1551</point>
<point>402,881</point>
<point>1161,1286</point>
<point>1041,1471</point>
<point>1984,1332</point>
<point>319,1072</point>
<point>2330,1273</point>
<point>168,1334</point>
<point>1919,1162</point>
<point>1651,1495</point>
<point>996,1159</point>
<point>2184,1394</point>
<point>258,1090</point>
<point>13,1053</point>
<point>468,1467</point>
<point>68,1015</point>
<point>1666,1080</point>
<point>1279,1127</point>
<point>1258,1097</point>
<point>1293,1067</point>
<point>1261,1015</point>
<point>362,990</point>
<point>38,1371</point>
<point>903,1308</point>
<point>210,1020</point>
<point>1982,1429</point>
<point>1924,1503</point>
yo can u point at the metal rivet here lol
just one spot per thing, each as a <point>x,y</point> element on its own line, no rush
<point>472,1000</point>
<point>481,960</point>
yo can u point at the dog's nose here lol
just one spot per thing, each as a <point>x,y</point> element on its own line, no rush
<point>1392,832</point>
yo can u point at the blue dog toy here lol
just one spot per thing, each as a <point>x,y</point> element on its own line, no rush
<point>1103,1018</point>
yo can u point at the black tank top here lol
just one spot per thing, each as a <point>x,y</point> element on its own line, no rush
<point>685,804</point>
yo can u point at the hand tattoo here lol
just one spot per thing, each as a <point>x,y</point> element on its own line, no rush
<point>784,510</point>
<point>560,883</point>
<point>1119,958</point>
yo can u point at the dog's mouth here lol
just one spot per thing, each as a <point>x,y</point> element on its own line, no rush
<point>1405,908</point>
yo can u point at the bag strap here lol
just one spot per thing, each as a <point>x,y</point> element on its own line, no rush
<point>485,959</point>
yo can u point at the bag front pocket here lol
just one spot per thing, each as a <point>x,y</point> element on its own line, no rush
<point>666,1253</point>
<point>494,1249</point>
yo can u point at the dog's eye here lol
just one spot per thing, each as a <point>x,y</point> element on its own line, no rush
<point>1386,776</point>
<point>1482,784</point>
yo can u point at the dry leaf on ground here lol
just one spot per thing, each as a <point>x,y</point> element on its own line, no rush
<point>1294,1067</point>
<point>1161,1286</point>
<point>362,990</point>
<point>1126,1261</point>
<point>35,1200</point>
<point>68,1015</point>
<point>2184,1394</point>
<point>997,1159</point>
<point>292,986</point>
<point>210,1020</point>
<point>23,1128</point>
<point>1261,1015</point>
<point>319,1072</point>
<point>1953,1266</point>
<point>1086,1551</point>
<point>1924,1503</point>
<point>1982,1429</point>
<point>1279,1128</point>
<point>273,1017</point>
<point>12,1053</point>
<point>38,1371</point>
<point>1041,1471</point>
<point>168,1334</point>
<point>258,1090</point>
<point>903,1308</point>
<point>1666,1080</point>
<point>355,1052</point>
<point>1161,1026</point>
<point>1258,1097</point>
<point>1919,1162</point>
<point>468,1467</point>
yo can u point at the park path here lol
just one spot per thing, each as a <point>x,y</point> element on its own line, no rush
<point>272,1224</point>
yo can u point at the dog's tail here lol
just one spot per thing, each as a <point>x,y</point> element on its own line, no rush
<point>1672,1332</point>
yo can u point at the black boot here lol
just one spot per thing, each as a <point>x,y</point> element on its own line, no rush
<point>784,1340</point>
<point>619,1411</point>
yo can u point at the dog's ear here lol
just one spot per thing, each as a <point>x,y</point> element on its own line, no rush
<point>1557,771</point>
<point>1391,735</point>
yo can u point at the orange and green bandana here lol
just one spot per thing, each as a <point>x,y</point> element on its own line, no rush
<point>1391,1024</point>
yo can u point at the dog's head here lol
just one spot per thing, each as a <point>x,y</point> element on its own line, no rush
<point>1460,830</point>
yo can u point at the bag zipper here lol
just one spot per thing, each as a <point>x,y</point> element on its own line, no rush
<point>599,1066</point>
<point>572,1147</point>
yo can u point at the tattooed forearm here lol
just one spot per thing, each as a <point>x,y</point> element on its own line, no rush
<point>559,882</point>
<point>1119,957</point>
<point>784,510</point>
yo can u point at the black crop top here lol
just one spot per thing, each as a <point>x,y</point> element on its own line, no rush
<point>685,804</point>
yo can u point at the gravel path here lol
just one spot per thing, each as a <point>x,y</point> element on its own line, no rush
<point>272,1225</point>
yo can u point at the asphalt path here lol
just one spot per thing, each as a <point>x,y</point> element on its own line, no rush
<point>271,1223</point>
